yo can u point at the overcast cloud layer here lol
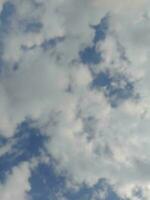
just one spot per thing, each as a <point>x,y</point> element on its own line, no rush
<point>79,72</point>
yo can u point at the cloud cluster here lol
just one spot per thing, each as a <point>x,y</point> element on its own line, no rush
<point>88,137</point>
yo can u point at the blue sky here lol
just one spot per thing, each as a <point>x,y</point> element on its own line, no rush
<point>74,100</point>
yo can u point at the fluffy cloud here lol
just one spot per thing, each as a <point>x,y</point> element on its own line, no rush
<point>17,184</point>
<point>90,138</point>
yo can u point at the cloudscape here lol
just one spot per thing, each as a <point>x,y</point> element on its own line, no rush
<point>74,100</point>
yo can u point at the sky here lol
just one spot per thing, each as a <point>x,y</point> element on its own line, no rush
<point>74,100</point>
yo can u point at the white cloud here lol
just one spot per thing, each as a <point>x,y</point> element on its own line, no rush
<point>119,5</point>
<point>89,139</point>
<point>17,184</point>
